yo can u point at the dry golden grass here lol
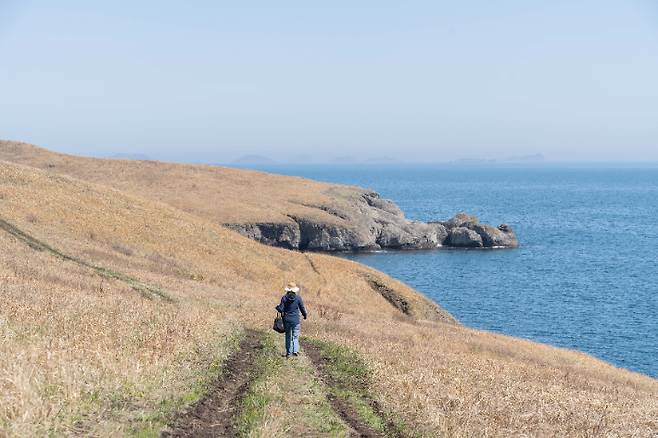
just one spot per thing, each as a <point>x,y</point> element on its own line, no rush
<point>454,381</point>
<point>75,349</point>
<point>79,353</point>
<point>220,194</point>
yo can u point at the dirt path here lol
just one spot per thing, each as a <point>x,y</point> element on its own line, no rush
<point>216,413</point>
<point>341,406</point>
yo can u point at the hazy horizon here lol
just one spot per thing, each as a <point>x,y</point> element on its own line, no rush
<point>294,81</point>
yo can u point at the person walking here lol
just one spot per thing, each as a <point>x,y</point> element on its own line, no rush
<point>290,307</point>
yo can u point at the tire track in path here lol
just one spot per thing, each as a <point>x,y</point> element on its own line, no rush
<point>342,406</point>
<point>217,412</point>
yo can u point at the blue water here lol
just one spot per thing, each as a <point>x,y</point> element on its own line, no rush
<point>585,276</point>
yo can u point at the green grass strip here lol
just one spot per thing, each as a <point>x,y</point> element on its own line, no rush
<point>144,289</point>
<point>349,379</point>
<point>255,400</point>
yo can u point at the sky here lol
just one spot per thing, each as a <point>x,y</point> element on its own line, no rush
<point>416,80</point>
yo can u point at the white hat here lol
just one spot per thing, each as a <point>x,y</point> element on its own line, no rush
<point>292,287</point>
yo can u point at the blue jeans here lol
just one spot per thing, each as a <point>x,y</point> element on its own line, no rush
<point>292,337</point>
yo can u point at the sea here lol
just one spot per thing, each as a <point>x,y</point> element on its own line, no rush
<point>585,276</point>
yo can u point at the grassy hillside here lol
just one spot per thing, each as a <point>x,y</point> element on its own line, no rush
<point>118,310</point>
<point>223,195</point>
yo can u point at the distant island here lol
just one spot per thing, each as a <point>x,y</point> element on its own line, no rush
<point>532,158</point>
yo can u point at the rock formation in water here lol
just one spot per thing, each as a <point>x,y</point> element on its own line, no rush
<point>369,222</point>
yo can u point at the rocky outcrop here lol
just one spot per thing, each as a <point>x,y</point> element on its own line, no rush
<point>365,221</point>
<point>463,237</point>
<point>467,232</point>
<point>501,237</point>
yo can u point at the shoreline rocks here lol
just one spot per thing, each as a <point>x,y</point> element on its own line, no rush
<point>369,222</point>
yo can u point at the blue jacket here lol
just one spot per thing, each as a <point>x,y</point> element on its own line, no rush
<point>290,306</point>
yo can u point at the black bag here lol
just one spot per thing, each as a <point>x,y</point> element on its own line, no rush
<point>278,324</point>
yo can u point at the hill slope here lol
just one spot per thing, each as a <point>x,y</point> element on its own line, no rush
<point>116,309</point>
<point>277,210</point>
